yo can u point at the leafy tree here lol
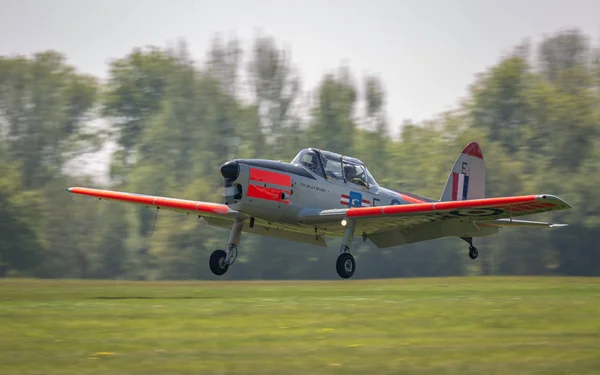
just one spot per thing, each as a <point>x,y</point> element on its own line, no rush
<point>135,90</point>
<point>21,248</point>
<point>44,104</point>
<point>275,86</point>
<point>563,51</point>
<point>174,122</point>
<point>332,126</point>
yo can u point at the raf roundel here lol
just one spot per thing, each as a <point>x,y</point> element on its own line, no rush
<point>480,212</point>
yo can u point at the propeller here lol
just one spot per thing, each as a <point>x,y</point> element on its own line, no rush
<point>231,148</point>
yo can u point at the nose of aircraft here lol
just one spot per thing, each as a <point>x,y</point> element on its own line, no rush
<point>230,170</point>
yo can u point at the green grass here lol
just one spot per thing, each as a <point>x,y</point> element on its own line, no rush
<point>482,325</point>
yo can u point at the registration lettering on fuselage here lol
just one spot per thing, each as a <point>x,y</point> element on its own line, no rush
<point>312,187</point>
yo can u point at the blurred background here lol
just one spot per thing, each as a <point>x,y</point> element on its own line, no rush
<point>145,96</point>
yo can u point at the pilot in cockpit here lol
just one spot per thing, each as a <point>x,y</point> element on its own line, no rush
<point>353,176</point>
<point>314,164</point>
<point>350,172</point>
<point>311,161</point>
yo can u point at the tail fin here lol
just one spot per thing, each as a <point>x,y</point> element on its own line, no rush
<point>467,178</point>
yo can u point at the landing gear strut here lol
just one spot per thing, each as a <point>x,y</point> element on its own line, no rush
<point>345,264</point>
<point>473,252</point>
<point>220,260</point>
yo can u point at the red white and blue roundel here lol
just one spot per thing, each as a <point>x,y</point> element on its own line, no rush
<point>478,212</point>
<point>354,200</point>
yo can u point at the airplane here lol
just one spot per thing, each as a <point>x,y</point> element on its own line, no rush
<point>325,194</point>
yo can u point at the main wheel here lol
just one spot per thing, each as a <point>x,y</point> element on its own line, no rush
<point>345,265</point>
<point>217,262</point>
<point>473,252</point>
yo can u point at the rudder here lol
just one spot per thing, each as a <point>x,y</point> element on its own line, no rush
<point>467,178</point>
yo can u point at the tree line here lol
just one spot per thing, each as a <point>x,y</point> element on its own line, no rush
<point>171,119</point>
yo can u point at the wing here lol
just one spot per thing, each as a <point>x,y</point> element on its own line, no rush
<point>205,209</point>
<point>218,215</point>
<point>434,219</point>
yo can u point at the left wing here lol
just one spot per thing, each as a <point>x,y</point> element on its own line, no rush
<point>207,209</point>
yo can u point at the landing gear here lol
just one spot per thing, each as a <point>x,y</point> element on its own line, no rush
<point>220,261</point>
<point>473,252</point>
<point>345,264</point>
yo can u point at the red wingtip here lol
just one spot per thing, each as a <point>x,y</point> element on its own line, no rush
<point>473,149</point>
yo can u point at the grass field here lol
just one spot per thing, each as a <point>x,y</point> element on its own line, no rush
<point>483,325</point>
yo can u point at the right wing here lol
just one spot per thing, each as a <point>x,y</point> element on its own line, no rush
<point>400,224</point>
<point>200,208</point>
<point>373,219</point>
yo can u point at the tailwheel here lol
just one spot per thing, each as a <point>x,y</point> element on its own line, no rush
<point>473,252</point>
<point>345,265</point>
<point>218,263</point>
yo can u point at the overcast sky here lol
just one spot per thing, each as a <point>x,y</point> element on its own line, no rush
<point>426,51</point>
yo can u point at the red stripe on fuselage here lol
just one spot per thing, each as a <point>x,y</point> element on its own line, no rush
<point>269,177</point>
<point>267,193</point>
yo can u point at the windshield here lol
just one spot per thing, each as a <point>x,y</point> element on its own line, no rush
<point>370,178</point>
<point>335,167</point>
<point>332,166</point>
<point>309,160</point>
<point>357,174</point>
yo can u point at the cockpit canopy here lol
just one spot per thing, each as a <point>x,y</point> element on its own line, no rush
<point>336,167</point>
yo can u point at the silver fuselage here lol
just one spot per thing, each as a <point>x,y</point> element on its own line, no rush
<point>279,192</point>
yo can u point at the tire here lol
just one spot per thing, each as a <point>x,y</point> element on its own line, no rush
<point>217,258</point>
<point>473,252</point>
<point>345,265</point>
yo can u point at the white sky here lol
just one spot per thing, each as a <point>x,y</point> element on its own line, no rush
<point>426,51</point>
